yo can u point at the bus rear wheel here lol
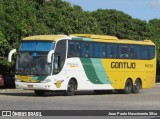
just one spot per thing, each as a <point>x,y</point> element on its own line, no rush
<point>128,87</point>
<point>71,89</point>
<point>39,92</point>
<point>137,86</point>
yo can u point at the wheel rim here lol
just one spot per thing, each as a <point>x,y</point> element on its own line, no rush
<point>128,87</point>
<point>138,85</point>
<point>71,87</point>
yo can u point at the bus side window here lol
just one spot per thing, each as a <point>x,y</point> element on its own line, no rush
<point>145,52</point>
<point>123,51</point>
<point>91,49</point>
<point>84,51</point>
<point>78,49</point>
<point>103,50</point>
<point>132,52</point>
<point>87,49</point>
<point>96,50</point>
<point>71,49</point>
<point>151,52</point>
<point>137,52</point>
<point>111,50</point>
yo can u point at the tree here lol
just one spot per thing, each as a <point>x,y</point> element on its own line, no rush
<point>16,17</point>
<point>117,23</point>
<point>154,34</point>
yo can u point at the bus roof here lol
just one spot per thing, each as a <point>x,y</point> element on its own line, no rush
<point>89,37</point>
<point>112,39</point>
<point>45,37</point>
<point>104,37</point>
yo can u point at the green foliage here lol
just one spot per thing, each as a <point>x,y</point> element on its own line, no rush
<point>116,23</point>
<point>21,18</point>
<point>154,33</point>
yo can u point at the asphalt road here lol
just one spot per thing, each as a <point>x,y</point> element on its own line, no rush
<point>16,99</point>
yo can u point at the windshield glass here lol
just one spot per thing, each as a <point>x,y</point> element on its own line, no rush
<point>31,63</point>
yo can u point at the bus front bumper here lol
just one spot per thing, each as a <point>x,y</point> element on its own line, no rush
<point>34,86</point>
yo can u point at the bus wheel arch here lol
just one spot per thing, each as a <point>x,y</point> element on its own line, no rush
<point>137,85</point>
<point>71,87</point>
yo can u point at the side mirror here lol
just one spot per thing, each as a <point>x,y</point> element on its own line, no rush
<point>11,54</point>
<point>49,57</point>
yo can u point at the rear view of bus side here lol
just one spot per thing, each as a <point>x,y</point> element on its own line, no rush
<point>84,62</point>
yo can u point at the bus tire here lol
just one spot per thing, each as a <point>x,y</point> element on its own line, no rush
<point>128,87</point>
<point>39,92</point>
<point>71,88</point>
<point>137,86</point>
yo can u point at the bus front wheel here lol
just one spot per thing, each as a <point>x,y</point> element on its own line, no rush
<point>71,88</point>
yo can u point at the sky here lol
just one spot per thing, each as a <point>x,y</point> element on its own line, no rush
<point>141,9</point>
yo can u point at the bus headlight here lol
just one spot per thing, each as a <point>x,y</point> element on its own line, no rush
<point>46,81</point>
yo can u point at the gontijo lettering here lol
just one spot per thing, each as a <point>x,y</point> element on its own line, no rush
<point>123,65</point>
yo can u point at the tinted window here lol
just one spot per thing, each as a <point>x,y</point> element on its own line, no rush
<point>45,46</point>
<point>91,50</point>
<point>137,52</point>
<point>124,51</point>
<point>151,52</point>
<point>96,49</point>
<point>87,49</point>
<point>71,49</point>
<point>109,50</point>
<point>103,50</point>
<point>78,48</point>
<point>112,51</point>
<point>145,52</point>
<point>132,52</point>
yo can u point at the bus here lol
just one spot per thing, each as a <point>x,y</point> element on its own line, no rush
<point>76,62</point>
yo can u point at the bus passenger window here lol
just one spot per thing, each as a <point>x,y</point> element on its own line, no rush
<point>145,52</point>
<point>86,49</point>
<point>111,50</point>
<point>151,52</point>
<point>78,49</point>
<point>132,53</point>
<point>90,49</point>
<point>71,50</point>
<point>111,53</point>
<point>137,52</point>
<point>96,50</point>
<point>124,51</point>
<point>103,50</point>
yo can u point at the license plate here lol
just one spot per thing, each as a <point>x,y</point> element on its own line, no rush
<point>30,86</point>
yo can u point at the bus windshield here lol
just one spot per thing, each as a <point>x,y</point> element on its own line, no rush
<point>32,63</point>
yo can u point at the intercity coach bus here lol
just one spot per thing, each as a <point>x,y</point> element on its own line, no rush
<point>84,62</point>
